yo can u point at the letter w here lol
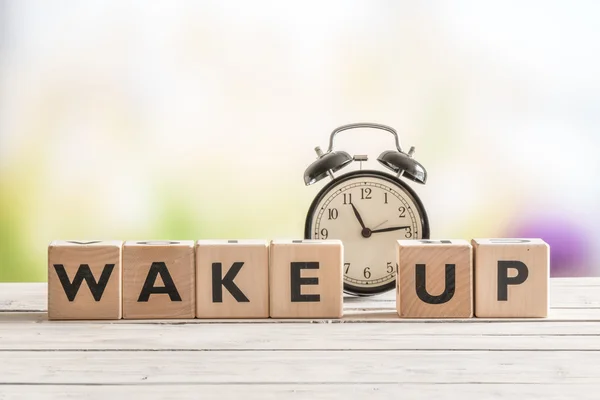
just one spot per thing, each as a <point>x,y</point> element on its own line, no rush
<point>84,273</point>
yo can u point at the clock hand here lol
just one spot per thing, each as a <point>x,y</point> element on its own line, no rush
<point>360,221</point>
<point>393,228</point>
<point>378,225</point>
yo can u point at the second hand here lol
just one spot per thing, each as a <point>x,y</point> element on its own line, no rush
<point>377,226</point>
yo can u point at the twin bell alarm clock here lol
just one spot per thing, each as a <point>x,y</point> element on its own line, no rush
<point>368,210</point>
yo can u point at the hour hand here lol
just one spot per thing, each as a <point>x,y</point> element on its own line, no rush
<point>393,228</point>
<point>358,217</point>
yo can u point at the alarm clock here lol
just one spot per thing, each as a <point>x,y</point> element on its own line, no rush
<point>368,210</point>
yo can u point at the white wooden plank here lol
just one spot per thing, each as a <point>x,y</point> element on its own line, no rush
<point>23,297</point>
<point>474,358</point>
<point>347,390</point>
<point>576,281</point>
<point>427,336</point>
<point>321,367</point>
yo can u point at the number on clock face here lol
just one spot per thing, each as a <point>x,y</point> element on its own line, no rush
<point>369,214</point>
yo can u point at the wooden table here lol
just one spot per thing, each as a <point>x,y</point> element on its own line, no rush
<point>370,352</point>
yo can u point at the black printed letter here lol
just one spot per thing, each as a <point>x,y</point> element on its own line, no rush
<point>297,281</point>
<point>227,282</point>
<point>449,289</point>
<point>504,280</point>
<point>84,273</point>
<point>155,269</point>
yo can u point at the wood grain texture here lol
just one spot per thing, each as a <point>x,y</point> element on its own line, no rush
<point>252,278</point>
<point>319,287</point>
<point>98,295</point>
<point>353,357</point>
<point>178,259</point>
<point>527,299</point>
<point>317,367</point>
<point>123,335</point>
<point>301,390</point>
<point>435,279</point>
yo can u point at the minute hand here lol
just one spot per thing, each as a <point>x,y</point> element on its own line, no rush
<point>393,228</point>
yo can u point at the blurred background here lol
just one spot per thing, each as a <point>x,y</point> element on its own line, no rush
<point>190,120</point>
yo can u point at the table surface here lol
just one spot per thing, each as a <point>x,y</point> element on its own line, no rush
<point>369,352</point>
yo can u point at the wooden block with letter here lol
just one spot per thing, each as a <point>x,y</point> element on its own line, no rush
<point>84,279</point>
<point>158,279</point>
<point>511,278</point>
<point>305,279</point>
<point>232,279</point>
<point>434,279</point>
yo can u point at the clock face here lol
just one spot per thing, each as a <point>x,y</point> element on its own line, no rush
<point>369,211</point>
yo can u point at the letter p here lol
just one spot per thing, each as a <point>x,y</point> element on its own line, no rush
<point>504,280</point>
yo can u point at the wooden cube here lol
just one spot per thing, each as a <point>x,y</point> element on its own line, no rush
<point>511,278</point>
<point>84,279</point>
<point>158,280</point>
<point>232,279</point>
<point>434,279</point>
<point>305,279</point>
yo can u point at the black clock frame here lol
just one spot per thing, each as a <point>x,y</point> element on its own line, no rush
<point>348,288</point>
